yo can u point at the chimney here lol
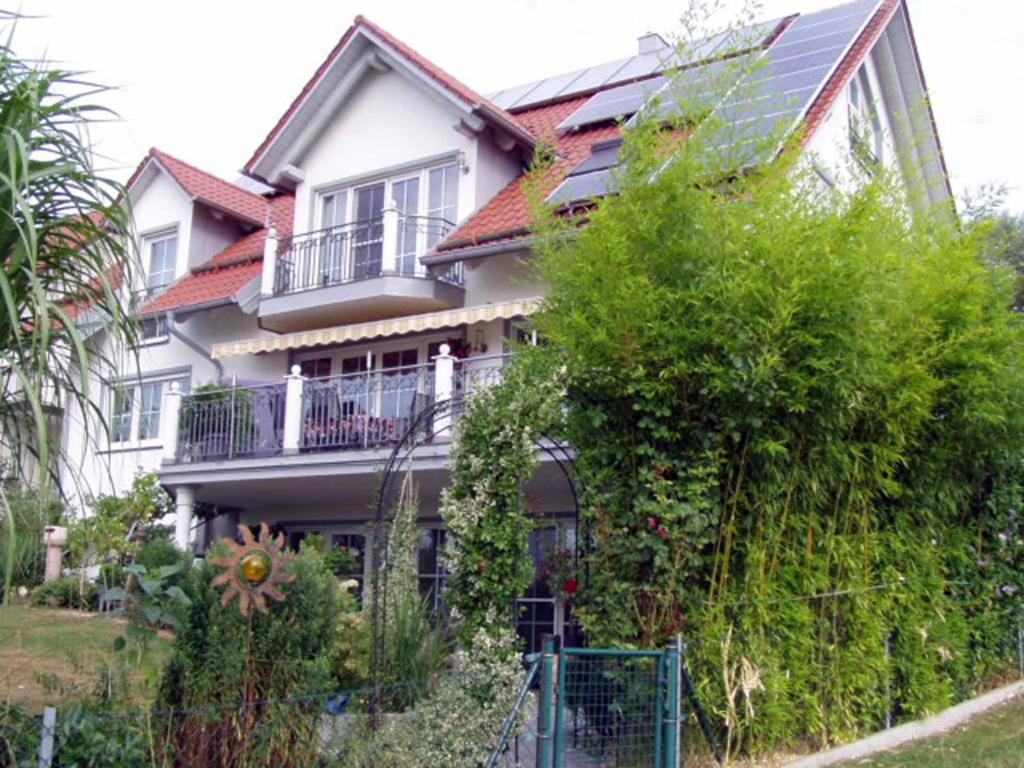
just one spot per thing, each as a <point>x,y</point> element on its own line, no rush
<point>652,42</point>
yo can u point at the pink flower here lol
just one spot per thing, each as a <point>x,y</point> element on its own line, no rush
<point>570,586</point>
<point>662,532</point>
<point>652,521</point>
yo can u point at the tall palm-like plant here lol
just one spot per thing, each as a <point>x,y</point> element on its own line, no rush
<point>66,249</point>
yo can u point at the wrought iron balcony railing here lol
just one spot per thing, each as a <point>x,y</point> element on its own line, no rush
<point>388,245</point>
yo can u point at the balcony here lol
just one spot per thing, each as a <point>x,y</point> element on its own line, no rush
<point>352,412</point>
<point>361,271</point>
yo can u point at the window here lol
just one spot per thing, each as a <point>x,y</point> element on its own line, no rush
<point>406,194</point>
<point>865,125</point>
<point>163,254</point>
<point>355,543</point>
<point>443,201</point>
<point>154,328</point>
<point>316,368</point>
<point>432,574</point>
<point>427,203</point>
<point>135,409</point>
<point>149,410</point>
<point>121,414</point>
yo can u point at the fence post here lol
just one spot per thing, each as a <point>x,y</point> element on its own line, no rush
<point>46,739</point>
<point>444,389</point>
<point>545,719</point>
<point>673,686</point>
<point>294,384</point>
<point>170,416</point>
<point>269,279</point>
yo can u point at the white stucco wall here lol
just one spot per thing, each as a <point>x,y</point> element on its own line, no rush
<point>160,205</point>
<point>210,234</point>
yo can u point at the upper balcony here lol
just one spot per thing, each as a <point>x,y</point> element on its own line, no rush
<point>356,272</point>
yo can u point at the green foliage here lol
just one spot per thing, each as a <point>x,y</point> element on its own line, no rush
<point>798,421</point>
<point>65,242</point>
<point>493,454</point>
<point>340,561</point>
<point>23,520</point>
<point>67,592</point>
<point>279,663</point>
<point>414,647</point>
<point>104,534</point>
<point>458,724</point>
<point>151,601</point>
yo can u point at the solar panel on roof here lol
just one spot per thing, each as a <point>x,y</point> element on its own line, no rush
<point>602,155</point>
<point>621,101</point>
<point>587,186</point>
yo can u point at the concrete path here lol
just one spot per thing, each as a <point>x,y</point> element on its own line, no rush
<point>930,726</point>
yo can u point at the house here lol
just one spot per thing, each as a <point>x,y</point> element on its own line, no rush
<point>375,263</point>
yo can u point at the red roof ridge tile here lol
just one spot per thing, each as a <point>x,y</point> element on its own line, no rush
<point>207,187</point>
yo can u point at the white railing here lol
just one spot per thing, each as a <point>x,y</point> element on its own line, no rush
<point>352,411</point>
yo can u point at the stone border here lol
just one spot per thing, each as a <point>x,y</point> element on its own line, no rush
<point>902,734</point>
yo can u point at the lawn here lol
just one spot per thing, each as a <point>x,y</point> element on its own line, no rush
<point>991,740</point>
<point>52,656</point>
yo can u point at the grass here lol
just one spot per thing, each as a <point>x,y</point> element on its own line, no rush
<point>994,739</point>
<point>52,656</point>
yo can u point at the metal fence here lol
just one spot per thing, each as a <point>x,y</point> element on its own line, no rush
<point>364,410</point>
<point>355,251</point>
<point>231,422</point>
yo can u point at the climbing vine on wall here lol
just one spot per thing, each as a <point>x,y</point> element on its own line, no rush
<point>493,455</point>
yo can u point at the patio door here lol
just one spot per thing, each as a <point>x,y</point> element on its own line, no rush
<point>368,245</point>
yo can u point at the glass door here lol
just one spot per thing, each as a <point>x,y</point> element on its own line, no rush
<point>368,242</point>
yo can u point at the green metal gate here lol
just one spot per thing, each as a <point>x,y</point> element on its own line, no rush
<point>609,708</point>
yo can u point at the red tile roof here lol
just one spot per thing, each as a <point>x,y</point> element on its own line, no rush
<point>207,188</point>
<point>431,70</point>
<point>220,278</point>
<point>507,214</point>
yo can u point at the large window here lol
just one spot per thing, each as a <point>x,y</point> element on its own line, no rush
<point>865,125</point>
<point>163,254</point>
<point>135,410</point>
<point>427,203</point>
<point>431,569</point>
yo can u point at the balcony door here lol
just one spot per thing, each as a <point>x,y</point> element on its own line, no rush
<point>333,244</point>
<point>368,245</point>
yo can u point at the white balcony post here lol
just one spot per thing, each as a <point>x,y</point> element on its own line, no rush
<point>170,418</point>
<point>269,263</point>
<point>294,384</point>
<point>184,502</point>
<point>389,242</point>
<point>444,389</point>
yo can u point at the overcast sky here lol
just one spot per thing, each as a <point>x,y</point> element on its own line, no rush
<point>207,79</point>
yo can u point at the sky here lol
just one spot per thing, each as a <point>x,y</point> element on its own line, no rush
<point>205,80</point>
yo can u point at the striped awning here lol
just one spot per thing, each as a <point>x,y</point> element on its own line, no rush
<point>397,326</point>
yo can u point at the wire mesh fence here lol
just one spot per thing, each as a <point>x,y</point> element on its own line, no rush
<point>613,707</point>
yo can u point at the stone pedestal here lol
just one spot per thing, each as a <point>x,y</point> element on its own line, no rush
<point>55,538</point>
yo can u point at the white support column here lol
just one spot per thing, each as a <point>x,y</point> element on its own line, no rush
<point>184,501</point>
<point>170,417</point>
<point>295,382</point>
<point>444,389</point>
<point>389,244</point>
<point>269,263</point>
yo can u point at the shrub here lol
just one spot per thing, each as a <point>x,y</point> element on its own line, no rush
<point>67,592</point>
<point>278,662</point>
<point>22,552</point>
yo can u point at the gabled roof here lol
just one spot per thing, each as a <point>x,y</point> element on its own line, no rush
<point>219,280</point>
<point>849,30</point>
<point>363,32</point>
<point>206,188</point>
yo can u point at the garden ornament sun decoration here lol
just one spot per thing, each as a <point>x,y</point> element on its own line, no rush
<point>253,569</point>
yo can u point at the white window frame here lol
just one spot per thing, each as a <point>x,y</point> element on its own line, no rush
<point>149,242</point>
<point>135,387</point>
<point>866,132</point>
<point>423,208</point>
